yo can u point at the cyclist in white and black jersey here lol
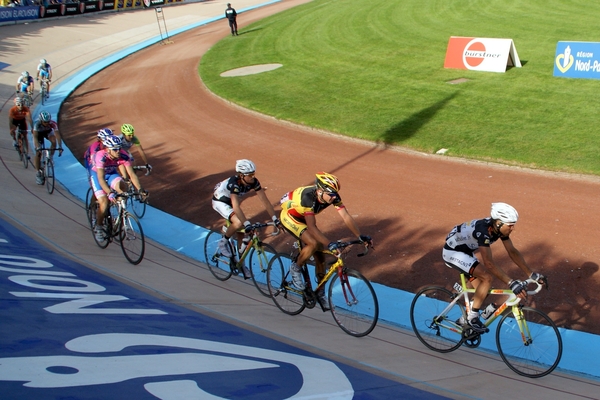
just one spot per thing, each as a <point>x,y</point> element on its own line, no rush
<point>477,235</point>
<point>227,197</point>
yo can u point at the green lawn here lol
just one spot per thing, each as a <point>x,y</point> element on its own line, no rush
<point>373,69</point>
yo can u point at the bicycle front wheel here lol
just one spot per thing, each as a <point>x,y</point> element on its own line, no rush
<point>218,264</point>
<point>43,95</point>
<point>138,207</point>
<point>131,236</point>
<point>438,330</point>
<point>287,298</point>
<point>353,303</point>
<point>258,263</point>
<point>533,349</point>
<point>23,151</point>
<point>49,175</point>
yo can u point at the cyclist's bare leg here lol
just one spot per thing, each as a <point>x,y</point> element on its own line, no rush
<point>310,247</point>
<point>482,285</point>
<point>102,208</point>
<point>233,229</point>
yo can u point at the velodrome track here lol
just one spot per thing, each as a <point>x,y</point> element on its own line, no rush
<point>58,220</point>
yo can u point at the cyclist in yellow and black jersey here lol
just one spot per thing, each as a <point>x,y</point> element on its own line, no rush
<point>299,209</point>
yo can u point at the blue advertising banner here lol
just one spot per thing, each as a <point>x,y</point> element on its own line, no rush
<point>577,60</point>
<point>19,13</point>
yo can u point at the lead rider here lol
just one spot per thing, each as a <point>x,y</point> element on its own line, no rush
<point>477,235</point>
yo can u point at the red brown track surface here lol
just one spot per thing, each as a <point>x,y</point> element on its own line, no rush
<point>407,202</point>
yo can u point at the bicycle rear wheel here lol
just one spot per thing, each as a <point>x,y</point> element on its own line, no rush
<point>49,175</point>
<point>218,264</point>
<point>441,333</point>
<point>353,303</point>
<point>132,238</point>
<point>258,263</point>
<point>542,350</point>
<point>287,298</point>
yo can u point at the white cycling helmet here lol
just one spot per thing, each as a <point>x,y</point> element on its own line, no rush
<point>25,74</point>
<point>245,166</point>
<point>504,213</point>
<point>43,61</point>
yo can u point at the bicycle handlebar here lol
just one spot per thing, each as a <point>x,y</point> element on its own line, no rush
<point>537,289</point>
<point>259,225</point>
<point>140,167</point>
<point>342,245</point>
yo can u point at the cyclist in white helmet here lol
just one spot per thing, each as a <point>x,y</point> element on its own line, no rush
<point>227,197</point>
<point>25,84</point>
<point>44,72</point>
<point>477,235</point>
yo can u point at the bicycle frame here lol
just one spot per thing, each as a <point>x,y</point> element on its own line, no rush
<point>513,301</point>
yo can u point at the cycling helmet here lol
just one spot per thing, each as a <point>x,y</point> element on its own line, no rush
<point>327,182</point>
<point>127,129</point>
<point>245,166</point>
<point>43,61</point>
<point>18,101</point>
<point>45,116</point>
<point>25,74</point>
<point>504,213</point>
<point>112,142</point>
<point>104,133</point>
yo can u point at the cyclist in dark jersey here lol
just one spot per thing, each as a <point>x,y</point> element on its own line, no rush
<point>478,235</point>
<point>45,128</point>
<point>227,197</point>
<point>298,216</point>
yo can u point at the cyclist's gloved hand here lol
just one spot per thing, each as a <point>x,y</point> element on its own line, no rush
<point>112,196</point>
<point>247,227</point>
<point>276,221</point>
<point>366,239</point>
<point>536,276</point>
<point>143,195</point>
<point>517,287</point>
<point>333,247</point>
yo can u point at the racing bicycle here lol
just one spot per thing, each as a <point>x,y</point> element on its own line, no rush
<point>258,253</point>
<point>22,146</point>
<point>119,225</point>
<point>528,341</point>
<point>351,298</point>
<point>44,89</point>
<point>47,167</point>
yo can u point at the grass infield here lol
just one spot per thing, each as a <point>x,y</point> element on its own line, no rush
<point>373,69</point>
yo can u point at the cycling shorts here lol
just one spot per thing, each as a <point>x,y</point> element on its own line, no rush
<point>21,124</point>
<point>44,74</point>
<point>45,135</point>
<point>296,228</point>
<point>24,87</point>
<point>459,260</point>
<point>113,181</point>
<point>222,208</point>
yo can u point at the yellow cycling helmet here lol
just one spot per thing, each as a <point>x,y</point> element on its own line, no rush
<point>127,129</point>
<point>327,182</point>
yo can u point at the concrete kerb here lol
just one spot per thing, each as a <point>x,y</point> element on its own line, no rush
<point>188,238</point>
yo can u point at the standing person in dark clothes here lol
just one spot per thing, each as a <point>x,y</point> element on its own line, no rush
<point>231,16</point>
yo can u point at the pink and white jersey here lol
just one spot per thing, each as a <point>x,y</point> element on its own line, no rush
<point>101,160</point>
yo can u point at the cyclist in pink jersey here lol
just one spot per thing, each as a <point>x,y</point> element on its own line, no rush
<point>105,178</point>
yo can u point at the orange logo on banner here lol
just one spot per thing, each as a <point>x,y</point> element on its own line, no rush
<point>474,54</point>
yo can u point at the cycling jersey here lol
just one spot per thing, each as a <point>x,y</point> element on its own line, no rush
<point>303,201</point>
<point>88,156</point>
<point>44,68</point>
<point>102,160</point>
<point>44,131</point>
<point>234,185</point>
<point>127,145</point>
<point>17,114</point>
<point>25,83</point>
<point>469,236</point>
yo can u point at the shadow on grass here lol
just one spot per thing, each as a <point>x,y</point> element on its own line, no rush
<point>410,126</point>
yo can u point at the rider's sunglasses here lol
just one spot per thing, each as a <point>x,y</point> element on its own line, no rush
<point>249,175</point>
